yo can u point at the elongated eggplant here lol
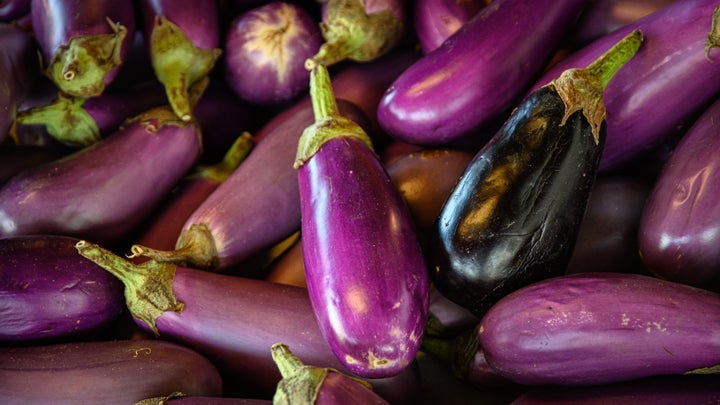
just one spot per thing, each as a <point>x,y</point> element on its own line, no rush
<point>478,74</point>
<point>10,10</point>
<point>670,79</point>
<point>17,50</point>
<point>436,20</point>
<point>83,47</point>
<point>678,236</point>
<point>364,267</point>
<point>513,217</point>
<point>232,320</point>
<point>598,328</point>
<point>103,372</point>
<point>49,292</point>
<point>265,52</point>
<point>104,190</point>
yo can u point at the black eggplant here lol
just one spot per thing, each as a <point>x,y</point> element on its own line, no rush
<point>513,217</point>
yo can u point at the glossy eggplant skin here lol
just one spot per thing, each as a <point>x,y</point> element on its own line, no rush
<point>598,328</point>
<point>103,372</point>
<point>678,229</point>
<point>513,217</point>
<point>49,292</point>
<point>17,55</point>
<point>436,20</point>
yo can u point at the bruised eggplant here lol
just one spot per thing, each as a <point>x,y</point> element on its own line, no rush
<point>513,217</point>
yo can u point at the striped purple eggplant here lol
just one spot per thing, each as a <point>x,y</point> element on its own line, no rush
<point>83,47</point>
<point>103,372</point>
<point>364,267</point>
<point>11,10</point>
<point>233,321</point>
<point>17,64</point>
<point>101,192</point>
<point>478,74</point>
<point>265,52</point>
<point>49,292</point>
<point>671,79</point>
<point>436,20</point>
<point>183,40</point>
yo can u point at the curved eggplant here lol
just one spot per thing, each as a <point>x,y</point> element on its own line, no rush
<point>436,20</point>
<point>17,55</point>
<point>104,372</point>
<point>478,74</point>
<point>598,328</point>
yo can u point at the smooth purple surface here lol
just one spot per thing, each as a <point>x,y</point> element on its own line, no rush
<point>478,73</point>
<point>116,105</point>
<point>436,20</point>
<point>17,60</point>
<point>198,20</point>
<point>596,328</point>
<point>679,231</point>
<point>662,88</point>
<point>266,49</point>
<point>13,9</point>
<point>365,271</point>
<point>339,389</point>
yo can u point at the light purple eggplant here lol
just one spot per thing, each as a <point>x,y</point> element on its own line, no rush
<point>233,321</point>
<point>10,10</point>
<point>183,40</point>
<point>478,74</point>
<point>101,192</point>
<point>49,292</point>
<point>103,372</point>
<point>83,48</point>
<point>364,266</point>
<point>17,65</point>
<point>265,52</point>
<point>678,235</point>
<point>436,20</point>
<point>663,88</point>
<point>599,328</point>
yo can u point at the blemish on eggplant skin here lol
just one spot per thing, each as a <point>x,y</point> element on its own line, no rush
<point>142,350</point>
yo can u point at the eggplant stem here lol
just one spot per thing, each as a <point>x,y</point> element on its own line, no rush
<point>713,40</point>
<point>234,156</point>
<point>195,248</point>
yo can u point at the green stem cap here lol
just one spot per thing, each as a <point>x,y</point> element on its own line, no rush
<point>64,119</point>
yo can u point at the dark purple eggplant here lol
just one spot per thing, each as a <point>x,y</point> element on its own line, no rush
<point>232,320</point>
<point>364,267</point>
<point>478,74</point>
<point>265,52</point>
<point>103,372</point>
<point>598,328</point>
<point>83,47</point>
<point>678,235</point>
<point>101,192</point>
<point>183,40</point>
<point>49,292</point>
<point>10,10</point>
<point>436,20</point>
<point>671,79</point>
<point>359,30</point>
<point>17,55</point>
<point>17,158</point>
<point>514,216</point>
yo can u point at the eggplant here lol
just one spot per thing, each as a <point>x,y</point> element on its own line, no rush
<point>599,328</point>
<point>670,79</point>
<point>359,31</point>
<point>478,74</point>
<point>232,320</point>
<point>17,158</point>
<point>17,55</point>
<point>365,271</point>
<point>103,191</point>
<point>265,52</point>
<point>678,227</point>
<point>49,292</point>
<point>446,318</point>
<point>289,268</point>
<point>514,216</point>
<point>436,20</point>
<point>11,10</point>
<point>179,398</point>
<point>183,41</point>
<point>83,48</point>
<point>103,372</point>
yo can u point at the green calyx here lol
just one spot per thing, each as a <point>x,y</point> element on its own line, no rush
<point>582,89</point>
<point>328,123</point>
<point>195,248</point>
<point>713,40</point>
<point>148,286</point>
<point>220,171</point>
<point>64,119</point>
<point>351,33</point>
<point>79,68</point>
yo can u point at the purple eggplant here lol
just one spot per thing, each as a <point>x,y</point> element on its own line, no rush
<point>671,79</point>
<point>364,267</point>
<point>179,398</point>
<point>101,192</point>
<point>17,55</point>
<point>598,328</point>
<point>678,238</point>
<point>103,372</point>
<point>359,30</point>
<point>17,158</point>
<point>83,47</point>
<point>478,74</point>
<point>11,10</point>
<point>265,52</point>
<point>183,40</point>
<point>436,20</point>
<point>232,320</point>
<point>446,318</point>
<point>49,292</point>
